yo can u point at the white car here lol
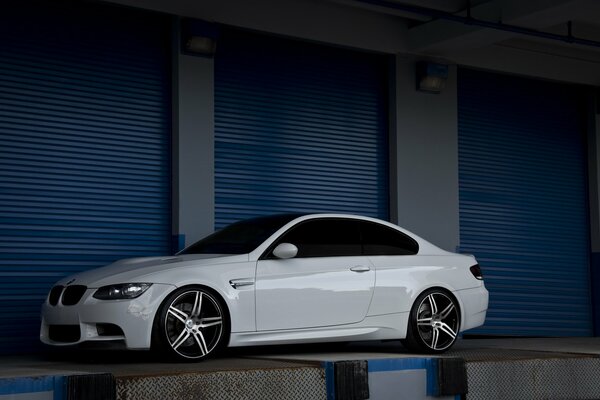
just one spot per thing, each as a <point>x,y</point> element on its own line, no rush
<point>273,280</point>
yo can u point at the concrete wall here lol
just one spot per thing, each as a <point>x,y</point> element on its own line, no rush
<point>194,160</point>
<point>594,173</point>
<point>424,127</point>
<point>519,57</point>
<point>308,19</point>
<point>427,157</point>
<point>594,193</point>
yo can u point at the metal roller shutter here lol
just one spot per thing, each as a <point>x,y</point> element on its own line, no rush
<point>299,128</point>
<point>523,202</point>
<point>84,148</point>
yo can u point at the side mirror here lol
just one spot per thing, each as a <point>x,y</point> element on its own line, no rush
<point>285,250</point>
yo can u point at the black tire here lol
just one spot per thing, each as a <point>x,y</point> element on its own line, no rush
<point>433,323</point>
<point>191,325</point>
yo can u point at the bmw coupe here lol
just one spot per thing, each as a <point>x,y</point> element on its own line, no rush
<point>275,280</point>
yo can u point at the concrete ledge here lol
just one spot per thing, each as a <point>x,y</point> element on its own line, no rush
<point>481,369</point>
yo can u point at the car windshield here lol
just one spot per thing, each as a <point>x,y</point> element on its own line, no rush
<point>241,237</point>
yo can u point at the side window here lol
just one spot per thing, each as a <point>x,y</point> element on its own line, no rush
<point>380,240</point>
<point>325,238</point>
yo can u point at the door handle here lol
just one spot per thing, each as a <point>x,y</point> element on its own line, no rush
<point>360,268</point>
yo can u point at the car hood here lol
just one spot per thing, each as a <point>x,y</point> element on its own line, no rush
<point>140,269</point>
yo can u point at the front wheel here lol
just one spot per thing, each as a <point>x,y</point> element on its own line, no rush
<point>433,323</point>
<point>192,324</point>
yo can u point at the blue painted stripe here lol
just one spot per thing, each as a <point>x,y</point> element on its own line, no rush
<point>329,367</point>
<point>24,385</point>
<point>431,366</point>
<point>398,364</point>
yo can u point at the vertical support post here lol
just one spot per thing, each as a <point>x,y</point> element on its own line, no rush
<point>194,160</point>
<point>593,144</point>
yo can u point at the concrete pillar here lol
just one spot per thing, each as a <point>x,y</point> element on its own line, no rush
<point>426,164</point>
<point>193,145</point>
<point>593,129</point>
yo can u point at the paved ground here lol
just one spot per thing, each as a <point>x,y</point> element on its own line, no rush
<point>542,347</point>
<point>561,345</point>
<point>123,363</point>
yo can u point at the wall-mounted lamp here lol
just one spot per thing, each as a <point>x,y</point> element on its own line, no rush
<point>201,45</point>
<point>199,37</point>
<point>431,77</point>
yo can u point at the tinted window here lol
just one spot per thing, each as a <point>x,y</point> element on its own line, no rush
<point>325,238</point>
<point>241,237</point>
<point>381,240</point>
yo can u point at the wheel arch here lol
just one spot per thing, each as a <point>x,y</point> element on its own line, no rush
<point>424,336</point>
<point>448,291</point>
<point>219,297</point>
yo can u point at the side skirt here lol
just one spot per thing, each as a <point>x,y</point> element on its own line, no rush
<point>380,327</point>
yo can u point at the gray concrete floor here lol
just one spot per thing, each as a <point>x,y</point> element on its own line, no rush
<point>555,345</point>
<point>124,363</point>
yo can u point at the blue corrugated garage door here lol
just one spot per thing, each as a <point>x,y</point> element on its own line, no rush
<point>84,148</point>
<point>523,201</point>
<point>299,127</point>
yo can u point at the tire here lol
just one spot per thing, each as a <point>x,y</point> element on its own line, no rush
<point>434,322</point>
<point>192,325</point>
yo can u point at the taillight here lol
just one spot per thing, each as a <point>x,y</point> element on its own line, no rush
<point>476,271</point>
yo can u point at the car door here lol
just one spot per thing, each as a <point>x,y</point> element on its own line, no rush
<point>329,282</point>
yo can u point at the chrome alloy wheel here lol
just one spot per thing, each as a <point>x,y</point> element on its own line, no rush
<point>438,321</point>
<point>193,323</point>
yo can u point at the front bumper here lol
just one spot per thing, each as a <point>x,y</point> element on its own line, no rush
<point>96,320</point>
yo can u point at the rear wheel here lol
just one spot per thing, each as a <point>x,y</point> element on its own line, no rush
<point>434,322</point>
<point>192,324</point>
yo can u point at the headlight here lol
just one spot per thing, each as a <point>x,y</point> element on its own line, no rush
<point>121,291</point>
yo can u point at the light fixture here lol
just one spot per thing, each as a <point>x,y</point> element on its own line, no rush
<point>431,77</point>
<point>201,45</point>
<point>198,37</point>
